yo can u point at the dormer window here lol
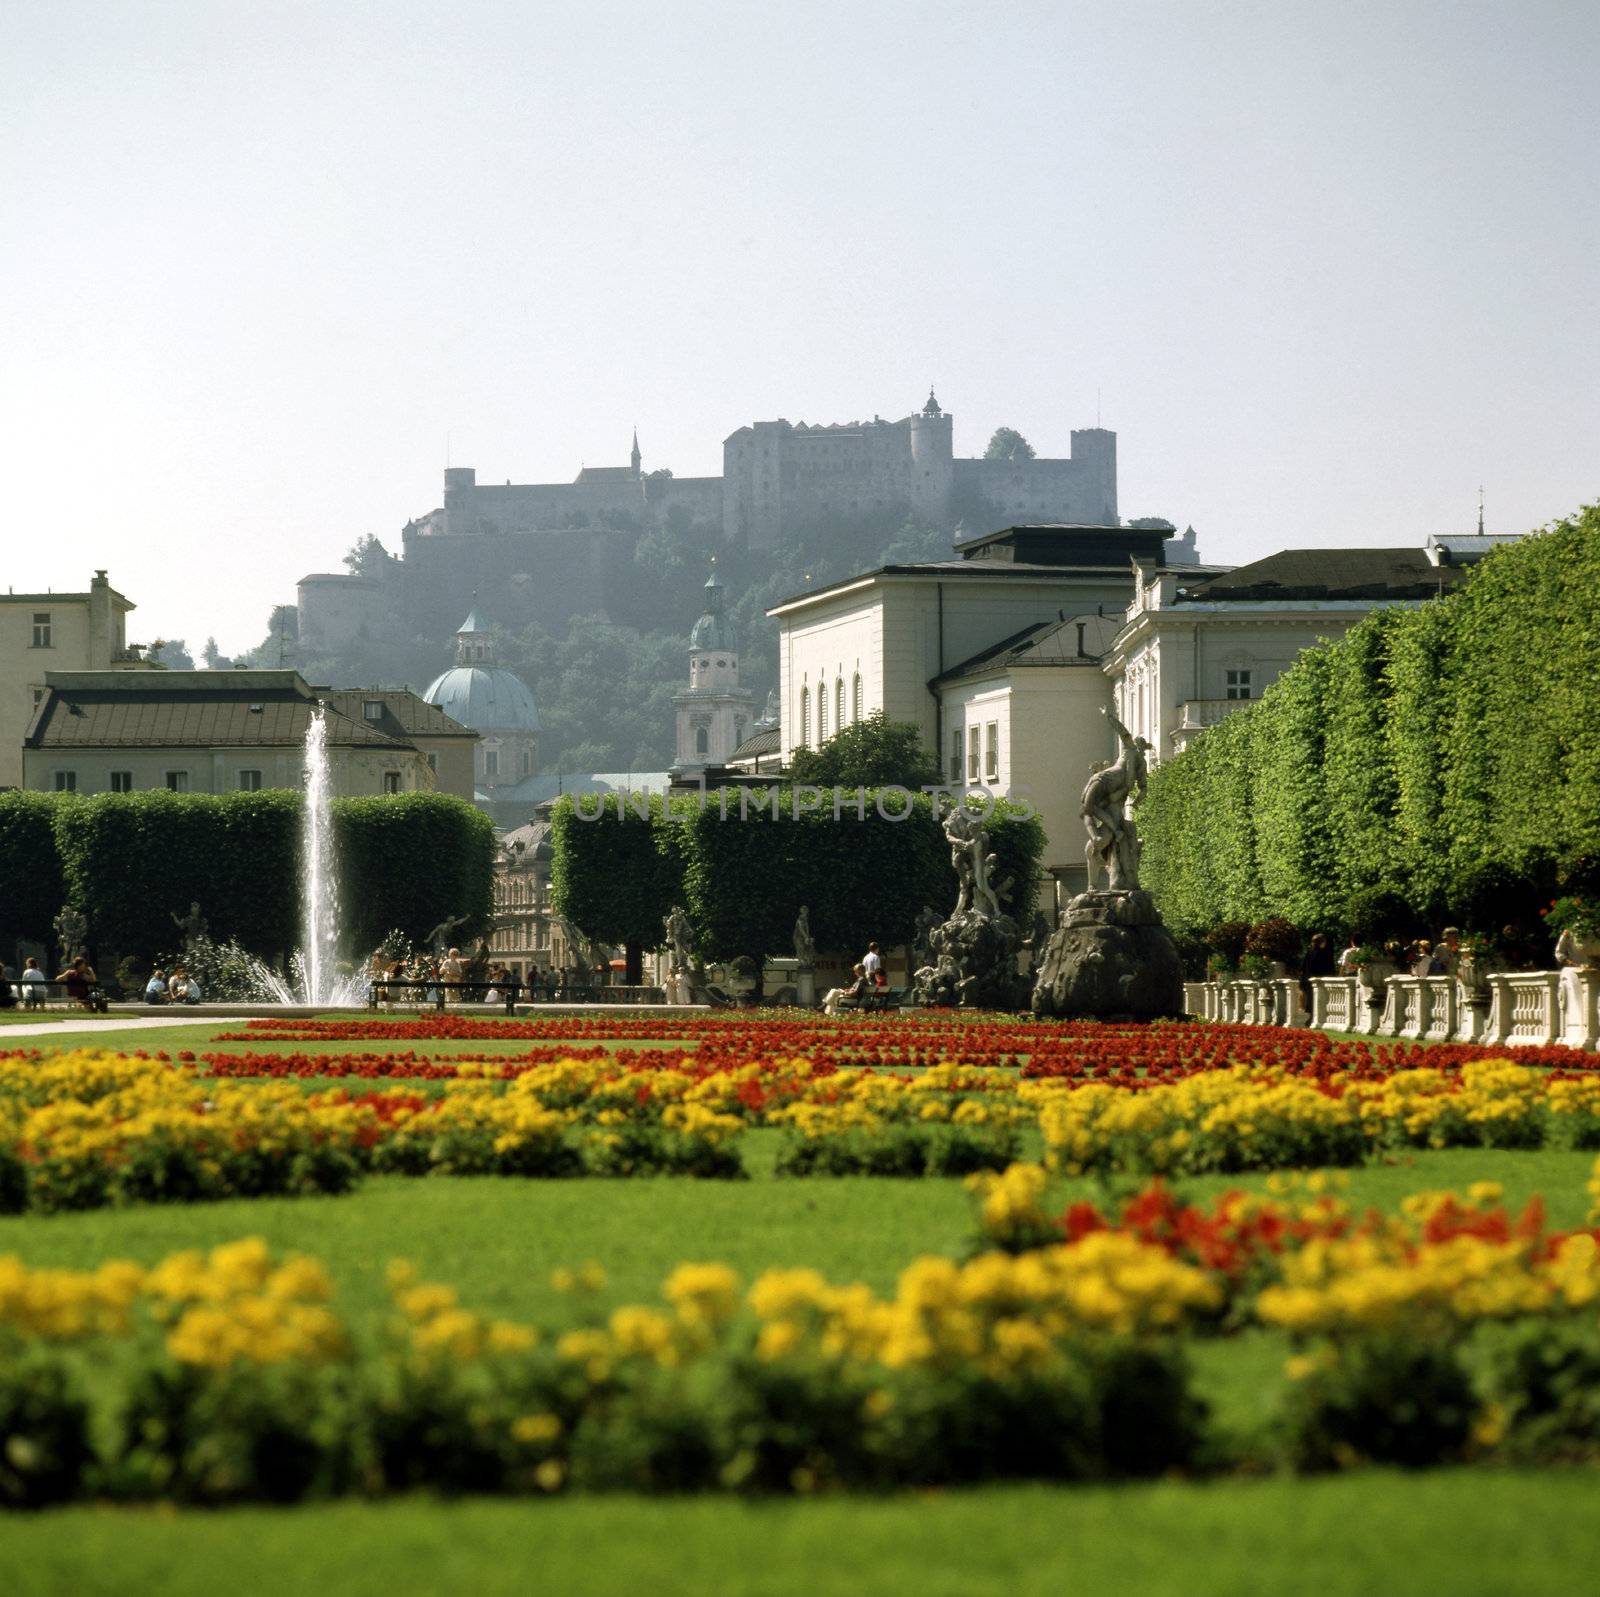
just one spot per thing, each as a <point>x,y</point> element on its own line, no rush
<point>372,709</point>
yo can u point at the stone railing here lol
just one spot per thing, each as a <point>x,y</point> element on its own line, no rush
<point>1527,1008</point>
<point>1197,714</point>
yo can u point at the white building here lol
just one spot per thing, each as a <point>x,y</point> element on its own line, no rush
<point>1198,644</point>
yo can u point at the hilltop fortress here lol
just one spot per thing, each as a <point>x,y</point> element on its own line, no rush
<point>780,480</point>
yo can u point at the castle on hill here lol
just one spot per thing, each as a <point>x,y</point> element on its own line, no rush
<point>780,479</point>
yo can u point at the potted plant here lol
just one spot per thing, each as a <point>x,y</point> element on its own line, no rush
<point>1576,921</point>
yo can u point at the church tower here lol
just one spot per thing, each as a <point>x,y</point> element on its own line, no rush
<point>713,712</point>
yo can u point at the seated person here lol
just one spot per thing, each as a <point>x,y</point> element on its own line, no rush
<point>857,990</point>
<point>78,978</point>
<point>32,981</point>
<point>155,990</point>
<point>184,989</point>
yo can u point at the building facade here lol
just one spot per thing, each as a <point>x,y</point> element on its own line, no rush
<point>1197,645</point>
<point>44,632</point>
<point>217,732</point>
<point>528,937</point>
<point>496,705</point>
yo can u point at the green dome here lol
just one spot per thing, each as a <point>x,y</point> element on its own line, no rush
<point>485,698</point>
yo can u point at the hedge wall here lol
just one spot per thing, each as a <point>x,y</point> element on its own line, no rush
<point>742,878</point>
<point>1448,756</point>
<point>131,862</point>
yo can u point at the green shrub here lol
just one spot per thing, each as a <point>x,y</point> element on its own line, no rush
<point>44,1433</point>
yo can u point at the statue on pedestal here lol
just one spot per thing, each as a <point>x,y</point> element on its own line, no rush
<point>438,940</point>
<point>805,946</point>
<point>679,937</point>
<point>1113,846</point>
<point>72,932</point>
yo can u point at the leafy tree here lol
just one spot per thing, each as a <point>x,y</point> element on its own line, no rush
<point>214,658</point>
<point>875,752</point>
<point>366,555</point>
<point>1008,444</point>
<point>172,653</point>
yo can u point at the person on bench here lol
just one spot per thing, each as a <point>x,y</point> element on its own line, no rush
<point>853,994</point>
<point>32,981</point>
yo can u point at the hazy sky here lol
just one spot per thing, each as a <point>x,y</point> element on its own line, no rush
<point>1328,266</point>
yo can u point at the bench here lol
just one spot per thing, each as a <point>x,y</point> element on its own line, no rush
<point>876,1002</point>
<point>32,995</point>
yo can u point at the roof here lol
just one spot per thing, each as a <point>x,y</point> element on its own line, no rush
<point>189,709</point>
<point>1045,643</point>
<point>767,741</point>
<point>549,785</point>
<point>1066,543</point>
<point>405,714</point>
<point>475,622</point>
<point>1005,570</point>
<point>487,698</point>
<point>1327,574</point>
<point>530,841</point>
<point>607,474</point>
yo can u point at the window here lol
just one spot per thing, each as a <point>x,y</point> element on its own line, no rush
<point>41,629</point>
<point>433,763</point>
<point>702,741</point>
<point>66,781</point>
<point>955,754</point>
<point>805,718</point>
<point>249,781</point>
<point>1238,684</point>
<point>838,705</point>
<point>491,762</point>
<point>372,709</point>
<point>177,781</point>
<point>991,752</point>
<point>822,713</point>
<point>391,781</point>
<point>855,698</point>
<point>972,754</point>
<point>122,781</point>
<point>38,697</point>
<point>527,762</point>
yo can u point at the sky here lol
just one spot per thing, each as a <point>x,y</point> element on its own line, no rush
<point>1325,268</point>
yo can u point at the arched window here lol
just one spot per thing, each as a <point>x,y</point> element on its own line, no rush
<point>855,698</point>
<point>822,713</point>
<point>838,705</point>
<point>805,718</point>
<point>702,741</point>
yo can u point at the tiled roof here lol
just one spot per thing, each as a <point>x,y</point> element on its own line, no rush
<point>405,714</point>
<point>1328,574</point>
<point>767,741</point>
<point>1045,643</point>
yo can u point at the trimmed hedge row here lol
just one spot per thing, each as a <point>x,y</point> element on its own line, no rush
<point>1448,756</point>
<point>743,875</point>
<point>131,862</point>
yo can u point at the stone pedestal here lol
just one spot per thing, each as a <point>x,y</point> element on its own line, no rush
<point>974,964</point>
<point>805,986</point>
<point>1580,1006</point>
<point>1110,958</point>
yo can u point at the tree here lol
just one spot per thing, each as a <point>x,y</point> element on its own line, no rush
<point>1008,444</point>
<point>366,555</point>
<point>214,658</point>
<point>876,752</point>
<point>173,653</point>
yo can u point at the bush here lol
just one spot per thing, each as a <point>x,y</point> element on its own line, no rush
<point>30,867</point>
<point>1545,1381</point>
<point>1274,938</point>
<point>44,1434</point>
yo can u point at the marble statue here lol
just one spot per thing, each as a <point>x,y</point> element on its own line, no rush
<point>805,946</point>
<point>1112,851</point>
<point>438,940</point>
<point>72,932</point>
<point>193,925</point>
<point>679,937</point>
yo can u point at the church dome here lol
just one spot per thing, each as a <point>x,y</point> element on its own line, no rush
<point>485,698</point>
<point>712,630</point>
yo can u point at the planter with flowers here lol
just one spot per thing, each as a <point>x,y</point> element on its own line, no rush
<point>1577,922</point>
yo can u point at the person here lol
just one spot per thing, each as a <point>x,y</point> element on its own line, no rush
<point>1318,961</point>
<point>183,988</point>
<point>1347,959</point>
<point>872,964</point>
<point>451,973</point>
<point>32,981</point>
<point>155,990</point>
<point>1448,952</point>
<point>8,996</point>
<point>78,978</point>
<point>492,994</point>
<point>858,989</point>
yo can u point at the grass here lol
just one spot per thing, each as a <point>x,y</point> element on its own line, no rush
<point>1444,1534</point>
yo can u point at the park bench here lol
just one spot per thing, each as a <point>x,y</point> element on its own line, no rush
<point>876,1002</point>
<point>54,995</point>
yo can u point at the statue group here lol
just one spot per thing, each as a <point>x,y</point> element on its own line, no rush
<point>1110,957</point>
<point>970,960</point>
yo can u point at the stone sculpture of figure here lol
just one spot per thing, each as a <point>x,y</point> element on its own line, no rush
<point>805,946</point>
<point>1113,846</point>
<point>922,938</point>
<point>969,854</point>
<point>439,938</point>
<point>193,925</point>
<point>72,932</point>
<point>678,937</point>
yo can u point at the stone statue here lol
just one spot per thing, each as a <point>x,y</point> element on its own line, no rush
<point>193,925</point>
<point>72,932</point>
<point>969,854</point>
<point>922,938</point>
<point>805,945</point>
<point>1112,851</point>
<point>439,938</point>
<point>679,937</point>
<point>477,971</point>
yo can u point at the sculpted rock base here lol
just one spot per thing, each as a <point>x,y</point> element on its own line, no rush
<point>974,964</point>
<point>1110,959</point>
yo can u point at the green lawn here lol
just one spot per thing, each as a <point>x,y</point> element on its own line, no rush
<point>1444,1534</point>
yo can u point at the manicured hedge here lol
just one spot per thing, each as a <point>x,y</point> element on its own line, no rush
<point>1449,755</point>
<point>743,876</point>
<point>132,862</point>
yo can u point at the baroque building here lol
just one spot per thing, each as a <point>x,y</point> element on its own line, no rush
<point>494,703</point>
